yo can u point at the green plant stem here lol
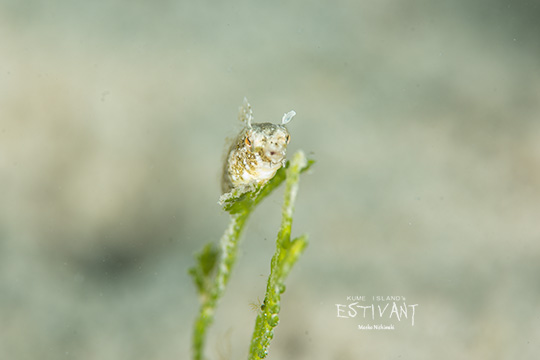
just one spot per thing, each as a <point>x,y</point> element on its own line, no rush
<point>286,254</point>
<point>229,247</point>
<point>211,277</point>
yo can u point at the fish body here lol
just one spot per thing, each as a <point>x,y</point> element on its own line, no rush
<point>257,152</point>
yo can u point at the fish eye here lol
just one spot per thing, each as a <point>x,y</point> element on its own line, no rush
<point>288,138</point>
<point>247,141</point>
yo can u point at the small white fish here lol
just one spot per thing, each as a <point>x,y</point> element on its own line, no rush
<point>257,153</point>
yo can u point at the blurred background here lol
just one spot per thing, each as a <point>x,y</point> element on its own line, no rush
<point>424,120</point>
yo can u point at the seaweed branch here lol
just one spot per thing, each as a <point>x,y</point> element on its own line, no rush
<point>285,256</point>
<point>212,272</point>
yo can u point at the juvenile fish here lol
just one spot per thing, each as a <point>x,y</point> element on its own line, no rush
<point>257,153</point>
